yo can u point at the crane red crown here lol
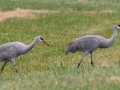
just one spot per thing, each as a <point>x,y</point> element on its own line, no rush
<point>41,38</point>
<point>118,25</point>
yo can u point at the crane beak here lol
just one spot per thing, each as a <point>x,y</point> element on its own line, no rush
<point>45,43</point>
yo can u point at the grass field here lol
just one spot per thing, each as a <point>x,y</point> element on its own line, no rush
<point>59,22</point>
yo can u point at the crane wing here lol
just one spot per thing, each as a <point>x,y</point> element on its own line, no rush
<point>7,52</point>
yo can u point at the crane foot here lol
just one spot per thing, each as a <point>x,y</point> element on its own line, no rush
<point>78,65</point>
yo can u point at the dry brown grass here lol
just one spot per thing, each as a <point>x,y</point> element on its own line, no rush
<point>100,12</point>
<point>106,11</point>
<point>27,12</point>
<point>92,12</point>
<point>114,79</point>
<point>21,13</point>
<point>82,0</point>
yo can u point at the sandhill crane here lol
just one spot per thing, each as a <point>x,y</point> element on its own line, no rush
<point>9,51</point>
<point>87,44</point>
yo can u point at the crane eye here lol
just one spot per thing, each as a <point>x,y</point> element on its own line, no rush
<point>41,38</point>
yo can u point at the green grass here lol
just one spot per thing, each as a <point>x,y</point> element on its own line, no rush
<point>48,68</point>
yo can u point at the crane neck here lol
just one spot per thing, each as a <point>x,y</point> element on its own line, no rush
<point>114,33</point>
<point>29,47</point>
<point>112,39</point>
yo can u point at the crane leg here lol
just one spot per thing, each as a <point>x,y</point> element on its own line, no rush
<point>13,62</point>
<point>3,67</point>
<point>84,55</point>
<point>91,60</point>
<point>15,69</point>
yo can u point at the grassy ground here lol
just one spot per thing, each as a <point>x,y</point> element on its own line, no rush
<point>48,68</point>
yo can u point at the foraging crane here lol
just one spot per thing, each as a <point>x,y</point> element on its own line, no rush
<point>87,44</point>
<point>9,51</point>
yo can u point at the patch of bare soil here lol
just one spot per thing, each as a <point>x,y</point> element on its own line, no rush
<point>106,11</point>
<point>114,79</point>
<point>82,0</point>
<point>92,12</point>
<point>102,11</point>
<point>21,13</point>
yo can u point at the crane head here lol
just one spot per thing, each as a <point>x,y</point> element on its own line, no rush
<point>118,25</point>
<point>42,40</point>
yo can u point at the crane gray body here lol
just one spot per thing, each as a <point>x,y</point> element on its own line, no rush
<point>87,44</point>
<point>9,51</point>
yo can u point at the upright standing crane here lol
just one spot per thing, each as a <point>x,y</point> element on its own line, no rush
<point>9,51</point>
<point>87,44</point>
